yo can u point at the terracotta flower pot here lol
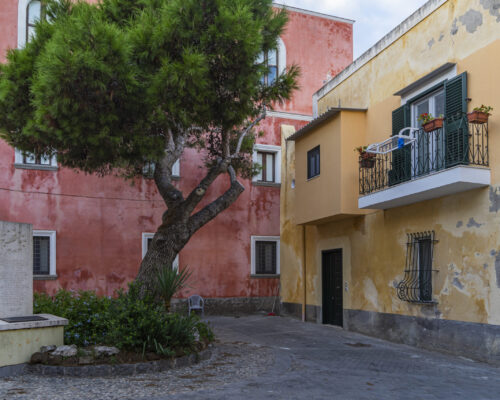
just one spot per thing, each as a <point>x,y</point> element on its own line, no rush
<point>430,126</point>
<point>478,117</point>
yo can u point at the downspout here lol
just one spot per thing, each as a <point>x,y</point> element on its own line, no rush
<point>304,270</point>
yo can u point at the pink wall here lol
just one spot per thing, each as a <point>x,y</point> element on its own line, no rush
<point>99,221</point>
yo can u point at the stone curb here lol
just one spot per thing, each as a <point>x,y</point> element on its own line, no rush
<point>103,370</point>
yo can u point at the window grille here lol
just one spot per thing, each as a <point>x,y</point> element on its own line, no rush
<point>41,255</point>
<point>265,257</point>
<point>416,287</point>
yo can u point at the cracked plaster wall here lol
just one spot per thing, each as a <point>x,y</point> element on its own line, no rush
<point>467,256</point>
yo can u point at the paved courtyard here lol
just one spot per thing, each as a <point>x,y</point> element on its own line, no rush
<point>261,357</point>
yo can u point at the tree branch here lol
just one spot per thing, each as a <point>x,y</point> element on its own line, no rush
<point>211,210</point>
<point>248,129</point>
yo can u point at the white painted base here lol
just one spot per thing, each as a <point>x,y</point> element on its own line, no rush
<point>439,184</point>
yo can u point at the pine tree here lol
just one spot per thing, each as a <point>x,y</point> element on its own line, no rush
<point>114,86</point>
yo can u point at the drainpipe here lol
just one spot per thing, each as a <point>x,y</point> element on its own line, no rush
<point>304,279</point>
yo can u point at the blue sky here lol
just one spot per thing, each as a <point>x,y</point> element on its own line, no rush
<point>374,18</point>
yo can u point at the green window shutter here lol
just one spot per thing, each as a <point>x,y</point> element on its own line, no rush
<point>456,127</point>
<point>401,158</point>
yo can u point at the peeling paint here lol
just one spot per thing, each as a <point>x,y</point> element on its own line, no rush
<point>472,19</point>
<point>454,27</point>
<point>494,199</point>
<point>430,43</point>
<point>459,224</point>
<point>497,268</point>
<point>457,283</point>
<point>493,6</point>
<point>485,266</point>
<point>441,36</point>
<point>473,224</point>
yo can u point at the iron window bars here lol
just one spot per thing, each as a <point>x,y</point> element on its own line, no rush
<point>416,287</point>
<point>313,162</point>
<point>459,143</point>
<point>266,259</point>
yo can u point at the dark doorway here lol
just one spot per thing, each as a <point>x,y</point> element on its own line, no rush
<point>332,287</point>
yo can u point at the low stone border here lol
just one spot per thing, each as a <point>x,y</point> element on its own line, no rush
<point>103,370</point>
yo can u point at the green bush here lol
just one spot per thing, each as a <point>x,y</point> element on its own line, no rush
<point>127,321</point>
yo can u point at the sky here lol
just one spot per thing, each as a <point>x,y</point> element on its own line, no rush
<point>374,18</point>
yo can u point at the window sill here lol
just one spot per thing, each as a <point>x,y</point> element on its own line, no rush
<point>269,184</point>
<point>36,166</point>
<point>44,277</point>
<point>314,177</point>
<point>263,276</point>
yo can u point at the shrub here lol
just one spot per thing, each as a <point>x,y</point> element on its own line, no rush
<point>127,321</point>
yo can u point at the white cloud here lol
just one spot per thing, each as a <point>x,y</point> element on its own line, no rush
<point>373,18</point>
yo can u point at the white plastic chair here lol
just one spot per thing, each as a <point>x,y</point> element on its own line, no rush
<point>196,302</point>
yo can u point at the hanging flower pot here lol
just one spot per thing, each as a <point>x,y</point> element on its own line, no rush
<point>433,124</point>
<point>479,115</point>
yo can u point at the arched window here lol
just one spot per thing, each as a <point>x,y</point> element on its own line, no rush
<point>275,60</point>
<point>33,14</point>
<point>28,13</point>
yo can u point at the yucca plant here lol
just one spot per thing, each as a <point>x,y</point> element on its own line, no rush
<point>169,281</point>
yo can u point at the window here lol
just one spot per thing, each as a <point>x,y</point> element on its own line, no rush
<point>28,13</point>
<point>33,161</point>
<point>275,61</point>
<point>269,158</point>
<point>44,254</point>
<point>313,163</point>
<point>147,239</point>
<point>265,255</point>
<point>149,169</point>
<point>270,60</point>
<point>417,283</point>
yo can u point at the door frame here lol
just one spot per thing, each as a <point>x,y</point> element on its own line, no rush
<point>323,253</point>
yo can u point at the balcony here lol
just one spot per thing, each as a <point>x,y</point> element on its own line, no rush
<point>445,161</point>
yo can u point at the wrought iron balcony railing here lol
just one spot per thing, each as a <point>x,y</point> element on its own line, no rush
<point>459,142</point>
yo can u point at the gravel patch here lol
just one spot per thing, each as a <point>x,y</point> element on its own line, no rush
<point>231,361</point>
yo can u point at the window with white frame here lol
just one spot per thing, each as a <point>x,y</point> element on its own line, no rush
<point>44,253</point>
<point>149,169</point>
<point>147,239</point>
<point>275,61</point>
<point>29,12</point>
<point>268,157</point>
<point>265,255</point>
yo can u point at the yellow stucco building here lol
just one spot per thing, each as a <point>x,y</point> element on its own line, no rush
<point>404,242</point>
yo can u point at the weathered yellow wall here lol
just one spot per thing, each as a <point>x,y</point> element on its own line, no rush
<point>17,346</point>
<point>467,286</point>
<point>333,194</point>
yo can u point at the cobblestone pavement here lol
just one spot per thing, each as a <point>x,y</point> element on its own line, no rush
<point>262,357</point>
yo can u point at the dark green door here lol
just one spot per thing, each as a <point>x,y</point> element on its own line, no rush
<point>332,287</point>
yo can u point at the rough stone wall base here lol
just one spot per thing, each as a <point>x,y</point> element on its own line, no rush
<point>232,305</point>
<point>313,313</point>
<point>476,341</point>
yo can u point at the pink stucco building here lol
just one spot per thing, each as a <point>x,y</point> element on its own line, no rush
<point>91,232</point>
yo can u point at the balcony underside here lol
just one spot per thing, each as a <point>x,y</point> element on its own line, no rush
<point>439,184</point>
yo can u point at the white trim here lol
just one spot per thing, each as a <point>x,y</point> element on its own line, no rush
<point>287,115</point>
<point>52,254</point>
<point>254,239</point>
<point>150,235</point>
<point>442,183</point>
<point>314,13</point>
<point>281,56</point>
<point>414,19</point>
<point>269,148</point>
<point>21,22</point>
<point>176,169</point>
<point>451,73</point>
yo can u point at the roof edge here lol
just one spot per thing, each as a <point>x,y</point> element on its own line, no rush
<point>414,19</point>
<point>319,120</point>
<point>314,13</point>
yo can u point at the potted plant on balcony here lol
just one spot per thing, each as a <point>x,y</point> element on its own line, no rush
<point>430,123</point>
<point>366,160</point>
<point>479,115</point>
